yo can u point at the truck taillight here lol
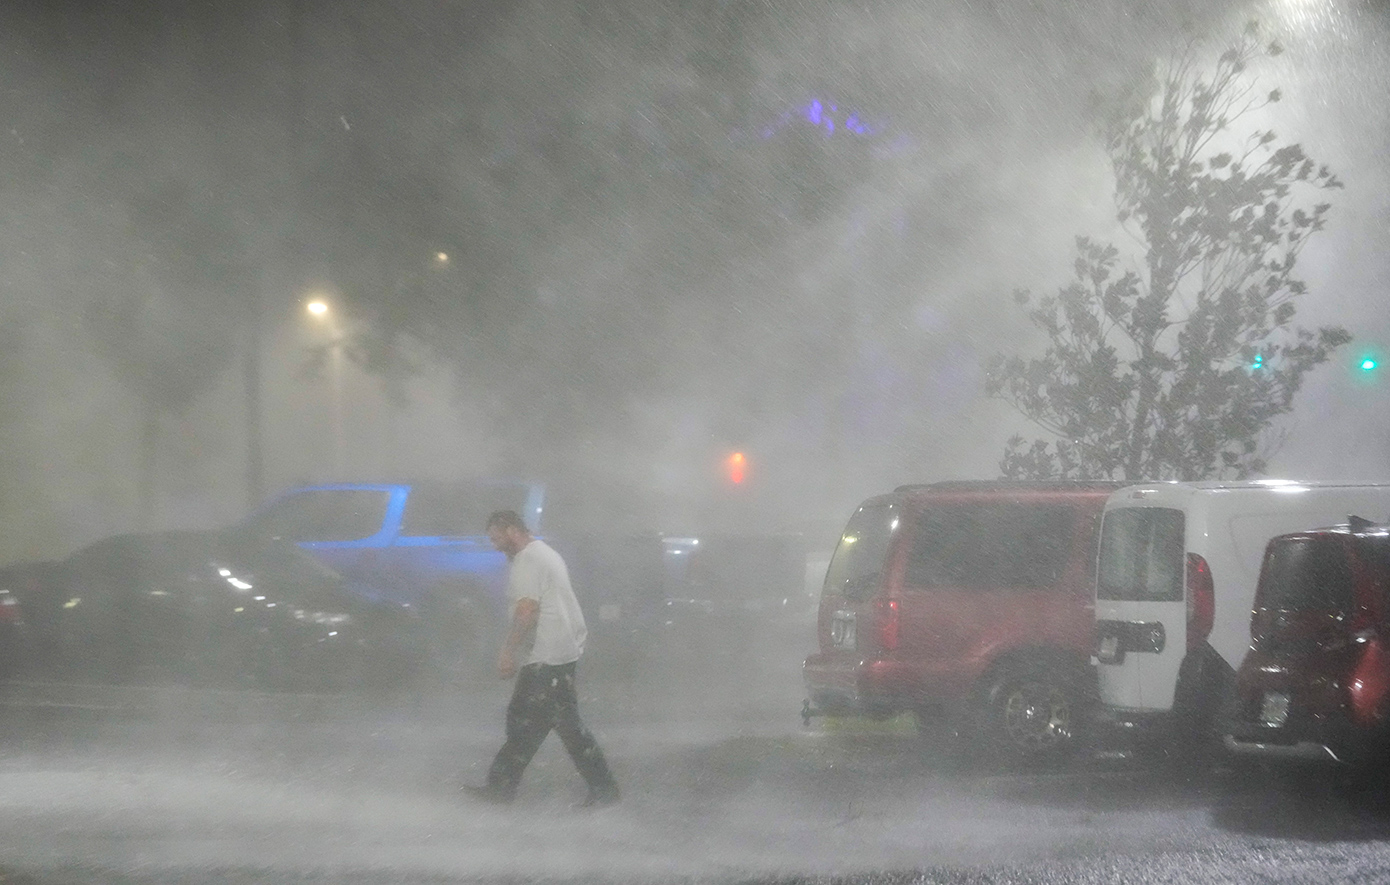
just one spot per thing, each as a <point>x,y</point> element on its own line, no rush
<point>1201,600</point>
<point>889,615</point>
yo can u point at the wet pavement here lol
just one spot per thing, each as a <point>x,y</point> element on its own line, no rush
<point>722,783</point>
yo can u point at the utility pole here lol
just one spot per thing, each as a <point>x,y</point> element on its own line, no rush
<point>266,296</point>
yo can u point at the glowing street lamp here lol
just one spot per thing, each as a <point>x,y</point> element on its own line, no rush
<point>318,308</point>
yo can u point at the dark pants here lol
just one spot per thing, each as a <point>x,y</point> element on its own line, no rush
<point>544,698</point>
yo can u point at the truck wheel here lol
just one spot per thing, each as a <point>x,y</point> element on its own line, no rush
<point>1030,717</point>
<point>459,635</point>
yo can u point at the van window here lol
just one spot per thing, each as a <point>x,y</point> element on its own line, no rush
<point>859,557</point>
<point>1141,555</point>
<point>991,546</point>
<point>1306,574</point>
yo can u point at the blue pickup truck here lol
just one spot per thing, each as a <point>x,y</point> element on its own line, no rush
<point>419,545</point>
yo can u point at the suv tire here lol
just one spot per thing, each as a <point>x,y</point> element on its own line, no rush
<point>1029,715</point>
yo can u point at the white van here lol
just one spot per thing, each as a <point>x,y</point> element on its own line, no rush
<point>1175,583</point>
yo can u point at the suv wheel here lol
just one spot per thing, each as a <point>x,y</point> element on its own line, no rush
<point>1030,717</point>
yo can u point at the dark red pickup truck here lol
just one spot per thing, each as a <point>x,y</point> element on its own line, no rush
<point>969,604</point>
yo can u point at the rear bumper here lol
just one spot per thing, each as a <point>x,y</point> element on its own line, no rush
<point>839,686</point>
<point>1332,739</point>
<point>1308,751</point>
<point>1125,730</point>
<point>843,688</point>
<point>1121,729</point>
<point>1124,720</point>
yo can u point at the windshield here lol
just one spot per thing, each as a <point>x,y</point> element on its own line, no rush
<point>323,515</point>
<point>1141,555</point>
<point>1306,574</point>
<point>859,557</point>
<point>990,546</point>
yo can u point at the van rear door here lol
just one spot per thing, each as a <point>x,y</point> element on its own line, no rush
<point>1141,607</point>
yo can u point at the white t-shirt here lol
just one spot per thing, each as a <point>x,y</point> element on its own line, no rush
<point>539,573</point>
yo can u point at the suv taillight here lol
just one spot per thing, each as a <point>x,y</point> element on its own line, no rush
<point>889,616</point>
<point>1201,600</point>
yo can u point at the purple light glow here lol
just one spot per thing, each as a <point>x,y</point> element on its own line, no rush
<point>821,114</point>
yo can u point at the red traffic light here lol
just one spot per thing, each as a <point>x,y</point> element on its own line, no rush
<point>737,466</point>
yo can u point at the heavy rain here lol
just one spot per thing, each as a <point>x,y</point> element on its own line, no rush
<point>959,424</point>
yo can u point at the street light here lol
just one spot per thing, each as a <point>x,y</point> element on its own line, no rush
<point>319,309</point>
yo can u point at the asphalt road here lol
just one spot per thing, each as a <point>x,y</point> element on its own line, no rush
<point>722,783</point>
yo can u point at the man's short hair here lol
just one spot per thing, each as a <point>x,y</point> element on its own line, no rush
<point>501,519</point>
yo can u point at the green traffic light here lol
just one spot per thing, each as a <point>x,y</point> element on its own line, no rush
<point>1368,364</point>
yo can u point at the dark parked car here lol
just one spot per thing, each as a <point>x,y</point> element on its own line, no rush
<point>1315,684</point>
<point>968,604</point>
<point>11,632</point>
<point>212,609</point>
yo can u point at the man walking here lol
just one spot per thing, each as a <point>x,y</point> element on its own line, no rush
<point>546,639</point>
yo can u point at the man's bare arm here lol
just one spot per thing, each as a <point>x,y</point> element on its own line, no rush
<point>520,637</point>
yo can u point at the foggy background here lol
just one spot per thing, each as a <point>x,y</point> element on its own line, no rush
<point>599,245</point>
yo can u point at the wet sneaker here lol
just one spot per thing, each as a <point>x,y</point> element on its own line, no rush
<point>486,794</point>
<point>600,798</point>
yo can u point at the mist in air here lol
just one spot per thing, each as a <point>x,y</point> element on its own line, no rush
<point>603,247</point>
<point>701,269</point>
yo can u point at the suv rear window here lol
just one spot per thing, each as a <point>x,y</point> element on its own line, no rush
<point>859,557</point>
<point>1141,555</point>
<point>995,545</point>
<point>1306,574</point>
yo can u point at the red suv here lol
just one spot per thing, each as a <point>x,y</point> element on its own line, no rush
<point>969,604</point>
<point>1316,682</point>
